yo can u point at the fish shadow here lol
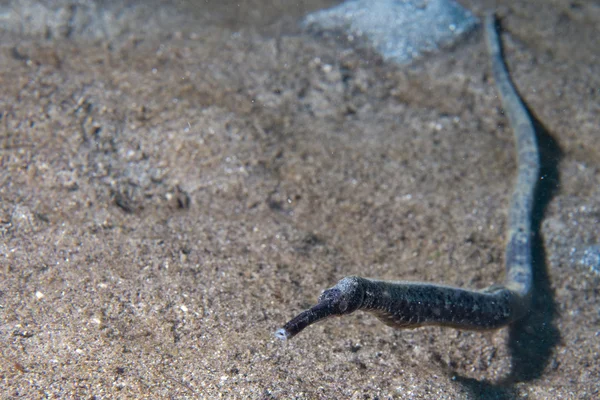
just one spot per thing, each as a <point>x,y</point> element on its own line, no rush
<point>533,338</point>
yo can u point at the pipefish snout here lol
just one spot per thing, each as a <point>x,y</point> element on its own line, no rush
<point>402,304</point>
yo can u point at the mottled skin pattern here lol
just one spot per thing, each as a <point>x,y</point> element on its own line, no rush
<point>414,304</point>
<point>517,255</point>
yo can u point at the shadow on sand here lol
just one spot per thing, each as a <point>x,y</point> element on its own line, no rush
<point>533,338</point>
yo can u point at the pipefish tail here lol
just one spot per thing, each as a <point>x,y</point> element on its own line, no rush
<point>402,304</point>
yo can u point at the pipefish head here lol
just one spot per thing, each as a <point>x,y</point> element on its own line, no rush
<point>345,297</point>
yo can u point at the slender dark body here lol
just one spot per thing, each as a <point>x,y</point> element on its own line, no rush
<point>413,304</point>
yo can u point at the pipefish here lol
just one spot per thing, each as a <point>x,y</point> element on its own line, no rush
<point>403,304</point>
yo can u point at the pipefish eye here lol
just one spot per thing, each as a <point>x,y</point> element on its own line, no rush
<point>331,295</point>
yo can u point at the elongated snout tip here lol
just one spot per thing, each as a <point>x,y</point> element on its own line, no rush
<point>282,334</point>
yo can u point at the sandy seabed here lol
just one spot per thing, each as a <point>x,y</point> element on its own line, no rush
<point>175,188</point>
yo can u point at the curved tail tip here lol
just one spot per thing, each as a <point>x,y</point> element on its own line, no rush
<point>282,334</point>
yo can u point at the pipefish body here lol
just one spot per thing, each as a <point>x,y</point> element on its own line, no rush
<point>402,304</point>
